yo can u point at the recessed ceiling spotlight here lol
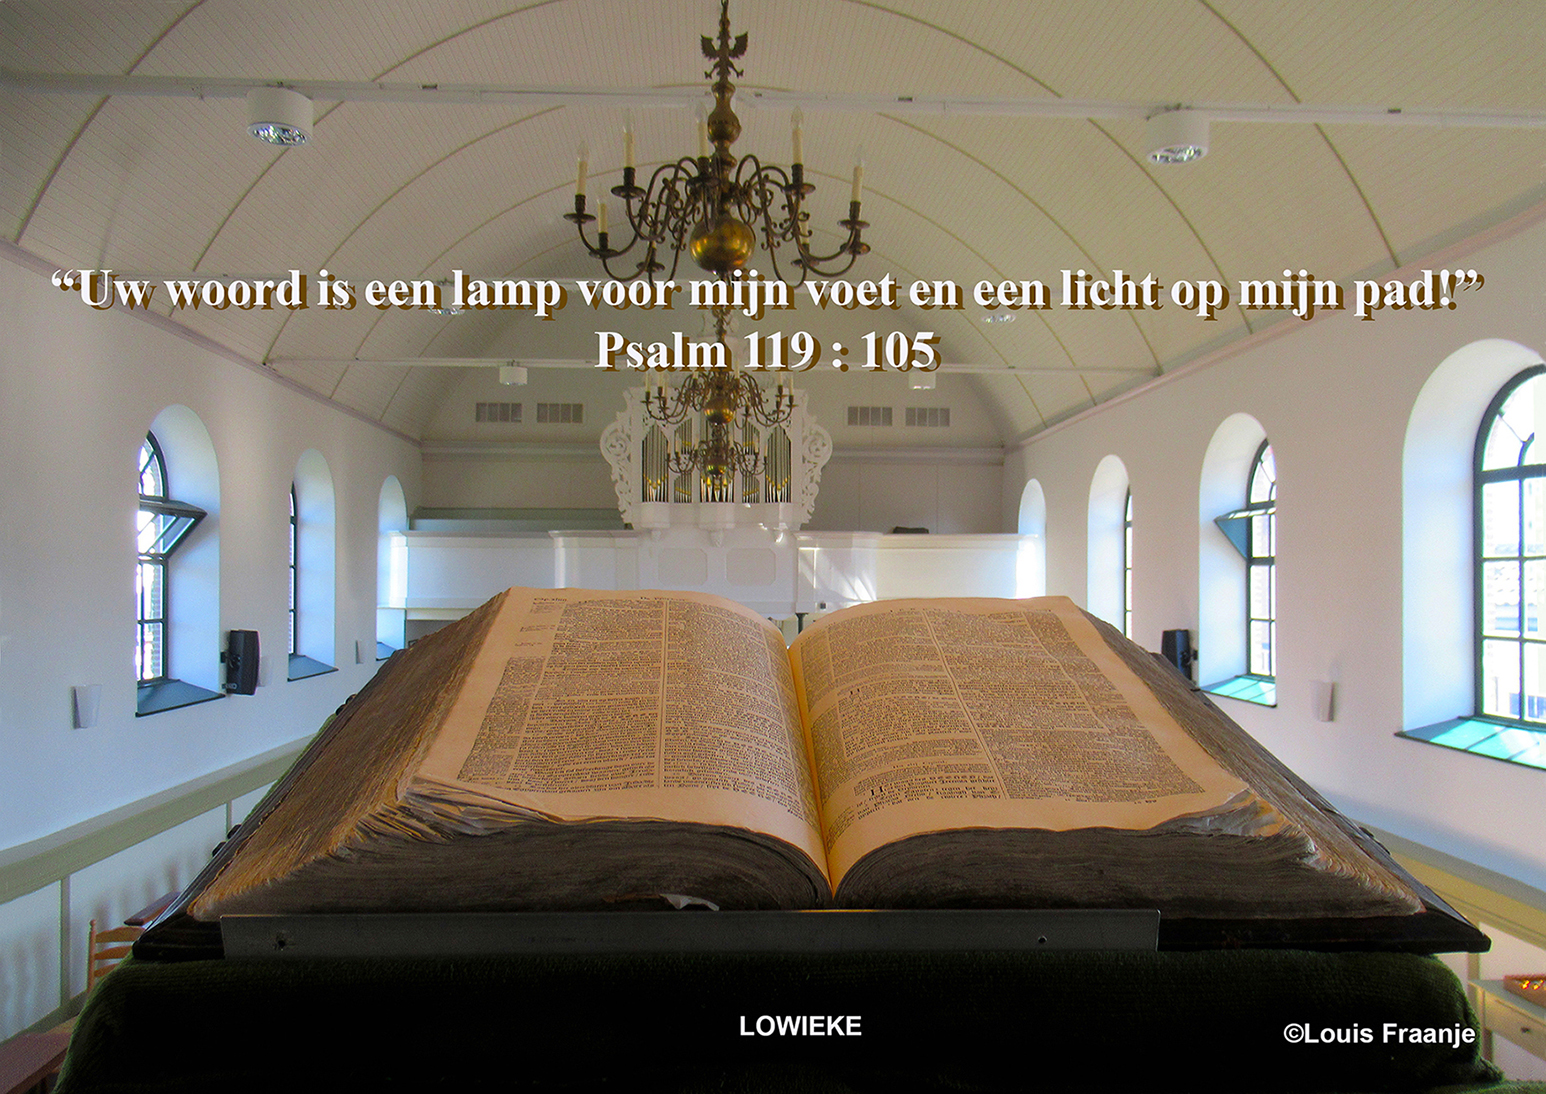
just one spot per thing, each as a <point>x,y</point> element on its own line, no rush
<point>1176,136</point>
<point>278,115</point>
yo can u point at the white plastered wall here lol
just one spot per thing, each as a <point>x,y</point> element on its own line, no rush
<point>1335,395</point>
<point>78,389</point>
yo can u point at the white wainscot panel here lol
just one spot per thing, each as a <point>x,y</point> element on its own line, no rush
<point>29,959</point>
<point>836,569</point>
<point>457,573</point>
<point>950,565</point>
<point>773,572</point>
<point>753,566</point>
<point>597,560</point>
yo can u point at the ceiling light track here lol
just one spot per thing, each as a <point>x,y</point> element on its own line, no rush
<point>201,87</point>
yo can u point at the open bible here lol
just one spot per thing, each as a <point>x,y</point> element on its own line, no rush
<point>574,749</point>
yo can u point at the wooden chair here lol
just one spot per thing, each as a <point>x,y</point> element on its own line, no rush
<point>105,949</point>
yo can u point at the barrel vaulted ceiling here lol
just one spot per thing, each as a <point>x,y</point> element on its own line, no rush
<point>112,160</point>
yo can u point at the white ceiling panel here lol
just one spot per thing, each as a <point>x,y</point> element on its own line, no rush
<point>155,179</point>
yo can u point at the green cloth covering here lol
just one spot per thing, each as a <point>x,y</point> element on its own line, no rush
<point>930,1022</point>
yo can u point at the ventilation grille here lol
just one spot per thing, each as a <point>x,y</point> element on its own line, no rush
<point>497,412</point>
<point>869,415</point>
<point>929,416</point>
<point>555,413</point>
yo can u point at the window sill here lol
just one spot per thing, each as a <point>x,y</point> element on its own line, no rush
<point>162,695</point>
<point>304,668</point>
<point>1506,741</point>
<point>1261,690</point>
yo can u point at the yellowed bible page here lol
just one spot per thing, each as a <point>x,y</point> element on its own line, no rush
<point>927,715</point>
<point>585,705</point>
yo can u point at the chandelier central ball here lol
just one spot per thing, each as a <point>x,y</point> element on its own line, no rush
<point>722,244</point>
<point>720,408</point>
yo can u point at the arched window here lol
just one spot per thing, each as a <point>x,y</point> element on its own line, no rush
<point>1237,575</point>
<point>1106,542</point>
<point>162,525</point>
<point>313,541</point>
<point>1472,564</point>
<point>150,578</point>
<point>294,570</point>
<point>1127,565</point>
<point>1031,558</point>
<point>1510,539</point>
<point>1261,584</point>
<point>391,568</point>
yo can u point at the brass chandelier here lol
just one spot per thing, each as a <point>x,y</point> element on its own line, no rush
<point>719,394</point>
<point>713,204</point>
<point>716,207</point>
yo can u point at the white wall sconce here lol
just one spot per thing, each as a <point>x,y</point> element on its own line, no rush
<point>1323,700</point>
<point>85,702</point>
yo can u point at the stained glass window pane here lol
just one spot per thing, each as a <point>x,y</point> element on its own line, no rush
<point>1500,678</point>
<point>152,470</point>
<point>1535,516</point>
<point>1512,430</point>
<point>294,568</point>
<point>1261,592</point>
<point>1500,519</point>
<point>1500,598</point>
<point>1533,705</point>
<point>1261,568</point>
<point>1261,536</point>
<point>1264,477</point>
<point>152,531</point>
<point>1535,597</point>
<point>1261,648</point>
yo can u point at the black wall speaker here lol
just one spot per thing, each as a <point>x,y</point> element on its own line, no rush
<point>1176,647</point>
<point>241,662</point>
